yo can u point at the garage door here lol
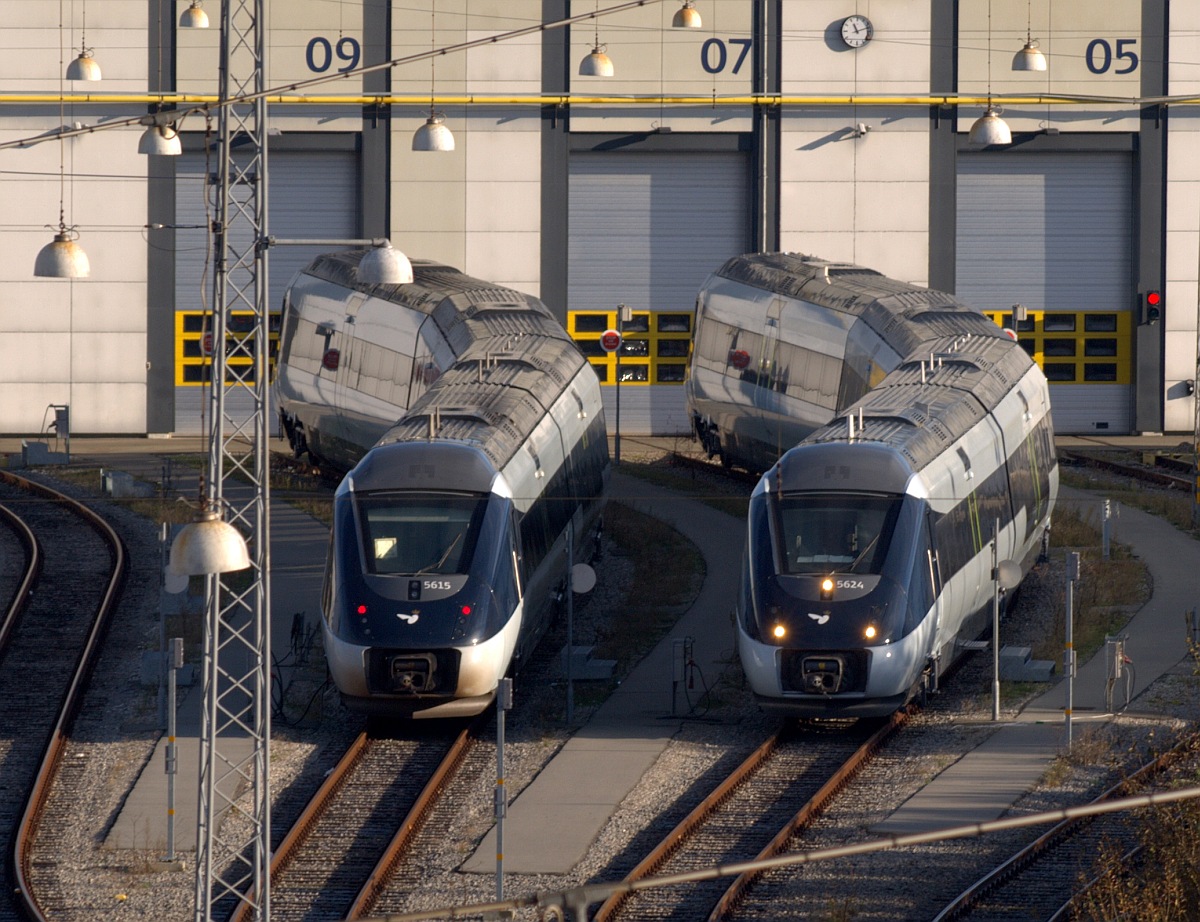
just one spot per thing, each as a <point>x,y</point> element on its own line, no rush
<point>646,229</point>
<point>312,194</point>
<point>1053,232</point>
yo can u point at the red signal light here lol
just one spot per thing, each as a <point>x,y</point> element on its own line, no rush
<point>1153,311</point>
<point>466,610</point>
<point>362,609</point>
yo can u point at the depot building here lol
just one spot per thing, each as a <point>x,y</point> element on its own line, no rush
<point>610,163</point>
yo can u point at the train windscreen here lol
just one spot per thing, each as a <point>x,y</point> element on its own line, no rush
<point>413,533</point>
<point>827,532</point>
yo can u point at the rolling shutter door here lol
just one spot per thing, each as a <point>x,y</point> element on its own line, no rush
<point>646,229</point>
<point>1053,231</point>
<point>312,194</point>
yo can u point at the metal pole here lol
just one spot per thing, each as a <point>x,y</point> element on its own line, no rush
<point>175,657</point>
<point>164,664</point>
<point>624,314</point>
<point>503,703</point>
<point>570,626</point>
<point>1106,532</point>
<point>996,622</point>
<point>1069,655</point>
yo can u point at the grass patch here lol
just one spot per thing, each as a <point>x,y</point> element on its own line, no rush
<point>687,481</point>
<point>1107,593</point>
<point>1175,506</point>
<point>668,573</point>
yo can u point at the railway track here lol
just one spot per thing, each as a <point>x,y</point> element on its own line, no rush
<point>780,788</point>
<point>52,633</point>
<point>1044,879</point>
<point>342,851</point>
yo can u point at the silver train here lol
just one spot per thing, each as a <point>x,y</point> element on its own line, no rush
<point>474,433</point>
<point>923,431</point>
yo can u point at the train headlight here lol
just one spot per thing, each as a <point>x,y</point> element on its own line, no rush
<point>870,632</point>
<point>826,588</point>
<point>779,632</point>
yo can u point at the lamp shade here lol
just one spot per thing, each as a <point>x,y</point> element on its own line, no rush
<point>83,67</point>
<point>596,64</point>
<point>193,17</point>
<point>208,545</point>
<point>160,141</point>
<point>433,135</point>
<point>989,129</point>
<point>385,265</point>
<point>1029,58</point>
<point>686,17</point>
<point>62,258</point>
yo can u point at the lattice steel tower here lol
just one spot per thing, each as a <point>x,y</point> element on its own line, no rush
<point>233,830</point>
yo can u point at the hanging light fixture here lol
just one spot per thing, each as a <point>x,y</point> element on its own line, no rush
<point>160,141</point>
<point>686,17</point>
<point>597,63</point>
<point>433,135</point>
<point>989,129</point>
<point>85,66</point>
<point>1030,57</point>
<point>208,545</point>
<point>384,265</point>
<point>194,17</point>
<point>63,257</point>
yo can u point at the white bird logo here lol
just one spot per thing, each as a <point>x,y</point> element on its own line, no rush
<point>820,619</point>
<point>411,619</point>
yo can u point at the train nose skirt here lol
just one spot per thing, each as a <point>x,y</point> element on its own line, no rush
<point>412,673</point>
<point>393,672</point>
<point>823,675</point>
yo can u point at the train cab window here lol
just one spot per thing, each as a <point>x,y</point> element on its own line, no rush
<point>828,532</point>
<point>411,533</point>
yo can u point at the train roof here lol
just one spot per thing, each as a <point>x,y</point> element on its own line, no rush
<point>465,309</point>
<point>433,284</point>
<point>928,403</point>
<point>494,395</point>
<point>904,315</point>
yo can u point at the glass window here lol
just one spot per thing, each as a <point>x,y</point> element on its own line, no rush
<point>1099,371</point>
<point>671,374</point>
<point>591,347</point>
<point>411,533</point>
<point>833,532</point>
<point>1100,347</point>
<point>673,348</point>
<point>635,347</point>
<point>1059,371</point>
<point>674,323</point>
<point>1100,323</point>
<point>1058,323</point>
<point>1059,347</point>
<point>591,323</point>
<point>638,323</point>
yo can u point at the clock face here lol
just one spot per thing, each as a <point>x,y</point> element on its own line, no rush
<point>857,30</point>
